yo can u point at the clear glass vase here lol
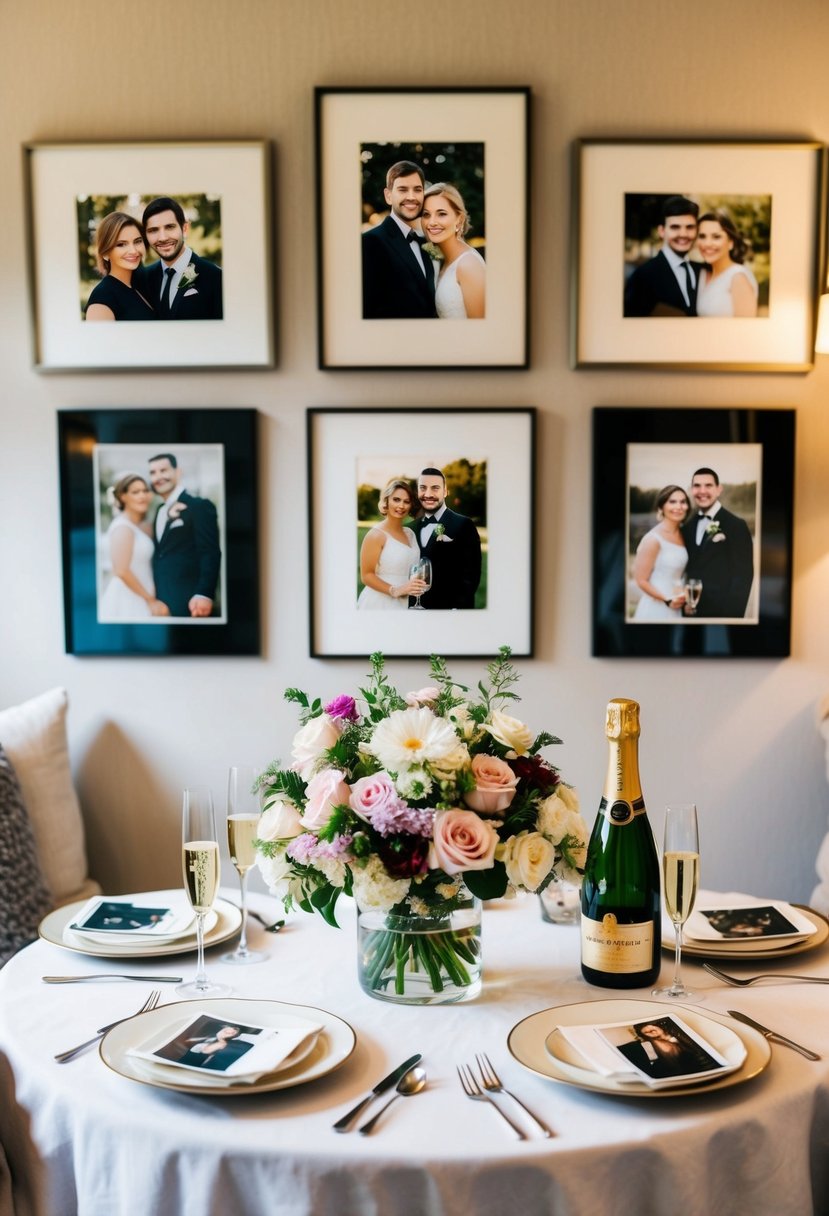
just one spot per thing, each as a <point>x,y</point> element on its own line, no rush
<point>420,960</point>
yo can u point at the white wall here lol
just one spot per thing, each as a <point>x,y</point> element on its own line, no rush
<point>736,736</point>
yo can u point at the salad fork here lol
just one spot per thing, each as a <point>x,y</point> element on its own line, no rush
<point>150,1003</point>
<point>492,1082</point>
<point>742,982</point>
<point>473,1090</point>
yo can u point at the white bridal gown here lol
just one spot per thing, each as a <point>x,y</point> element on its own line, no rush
<point>393,568</point>
<point>119,603</point>
<point>714,297</point>
<point>668,569</point>
<point>448,294</point>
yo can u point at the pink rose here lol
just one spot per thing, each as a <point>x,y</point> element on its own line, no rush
<point>342,707</point>
<point>316,736</point>
<point>324,792</point>
<point>423,696</point>
<point>371,794</point>
<point>461,841</point>
<point>495,784</point>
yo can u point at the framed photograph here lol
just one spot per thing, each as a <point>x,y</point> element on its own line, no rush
<point>154,232</point>
<point>158,529</point>
<point>698,255</point>
<point>422,223</point>
<point>421,536</point>
<point>692,532</point>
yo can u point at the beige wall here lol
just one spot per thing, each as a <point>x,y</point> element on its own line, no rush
<point>739,737</point>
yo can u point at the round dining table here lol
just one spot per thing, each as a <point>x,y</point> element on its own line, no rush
<point>92,1142</point>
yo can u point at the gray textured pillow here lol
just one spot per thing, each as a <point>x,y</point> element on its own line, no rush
<point>24,895</point>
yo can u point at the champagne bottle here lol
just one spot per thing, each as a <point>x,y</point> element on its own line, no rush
<point>620,894</point>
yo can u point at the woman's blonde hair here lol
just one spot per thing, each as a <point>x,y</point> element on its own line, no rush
<point>453,194</point>
<point>396,483</point>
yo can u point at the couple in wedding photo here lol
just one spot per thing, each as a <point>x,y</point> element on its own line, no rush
<point>166,566</point>
<point>695,538</point>
<point>417,262</point>
<point>448,539</point>
<point>179,286</point>
<point>700,269</point>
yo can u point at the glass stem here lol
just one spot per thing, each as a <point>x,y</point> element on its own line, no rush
<point>201,975</point>
<point>678,956</point>
<point>242,949</point>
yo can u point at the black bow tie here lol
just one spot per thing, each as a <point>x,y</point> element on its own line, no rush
<point>702,515</point>
<point>428,519</point>
<point>413,236</point>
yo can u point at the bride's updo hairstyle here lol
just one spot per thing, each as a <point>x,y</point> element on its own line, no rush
<point>455,199</point>
<point>115,493</point>
<point>396,483</point>
<point>663,496</point>
<point>740,245</point>
<point>109,230</point>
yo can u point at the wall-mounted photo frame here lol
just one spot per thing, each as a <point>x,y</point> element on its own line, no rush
<point>692,532</point>
<point>159,531</point>
<point>697,254</point>
<point>387,288</point>
<point>156,232</point>
<point>390,487</point>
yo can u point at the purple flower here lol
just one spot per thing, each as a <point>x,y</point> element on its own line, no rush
<point>399,817</point>
<point>307,848</point>
<point>342,707</point>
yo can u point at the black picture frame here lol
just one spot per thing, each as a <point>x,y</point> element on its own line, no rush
<point>764,442</point>
<point>93,442</point>
<point>353,123</point>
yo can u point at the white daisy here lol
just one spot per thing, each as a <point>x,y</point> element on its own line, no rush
<point>410,737</point>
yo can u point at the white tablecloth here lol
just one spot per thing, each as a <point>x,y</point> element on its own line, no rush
<point>111,1147</point>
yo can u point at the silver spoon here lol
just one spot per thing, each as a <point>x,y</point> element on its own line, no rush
<point>271,928</point>
<point>410,1083</point>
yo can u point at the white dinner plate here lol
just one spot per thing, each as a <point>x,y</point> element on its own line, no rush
<point>751,950</point>
<point>527,1043</point>
<point>333,1045</point>
<point>52,929</point>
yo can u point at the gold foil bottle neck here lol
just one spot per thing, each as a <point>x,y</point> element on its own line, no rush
<point>622,719</point>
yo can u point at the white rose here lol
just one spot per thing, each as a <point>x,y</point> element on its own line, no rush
<point>568,796</point>
<point>315,737</point>
<point>553,817</point>
<point>509,732</point>
<point>528,857</point>
<point>279,820</point>
<point>276,871</point>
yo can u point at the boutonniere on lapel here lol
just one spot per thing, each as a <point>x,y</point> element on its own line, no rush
<point>434,251</point>
<point>188,276</point>
<point>440,534</point>
<point>714,532</point>
<point>176,510</point>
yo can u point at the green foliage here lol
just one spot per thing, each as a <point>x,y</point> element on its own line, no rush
<point>543,740</point>
<point>368,502</point>
<point>487,884</point>
<point>285,781</point>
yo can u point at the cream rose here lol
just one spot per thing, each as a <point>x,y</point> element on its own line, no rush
<point>509,732</point>
<point>324,792</point>
<point>495,784</point>
<point>528,858</point>
<point>423,696</point>
<point>316,736</point>
<point>279,820</point>
<point>461,841</point>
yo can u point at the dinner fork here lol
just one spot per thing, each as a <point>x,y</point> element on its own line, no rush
<point>473,1090</point>
<point>740,982</point>
<point>150,1003</point>
<point>492,1082</point>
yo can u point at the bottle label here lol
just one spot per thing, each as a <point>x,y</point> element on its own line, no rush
<point>616,949</point>
<point>620,812</point>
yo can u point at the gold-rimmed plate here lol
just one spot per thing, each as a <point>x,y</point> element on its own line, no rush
<point>527,1043</point>
<point>753,950</point>
<point>54,928</point>
<point>333,1046</point>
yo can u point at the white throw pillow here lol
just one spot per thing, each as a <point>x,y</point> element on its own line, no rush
<point>34,736</point>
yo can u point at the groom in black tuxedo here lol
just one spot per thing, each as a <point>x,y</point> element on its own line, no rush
<point>187,553</point>
<point>720,551</point>
<point>181,286</point>
<point>398,277</point>
<point>666,286</point>
<point>452,544</point>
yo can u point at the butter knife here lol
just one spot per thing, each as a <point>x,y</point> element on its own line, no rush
<point>388,1082</point>
<point>772,1035</point>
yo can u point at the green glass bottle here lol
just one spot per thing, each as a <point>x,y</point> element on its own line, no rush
<point>620,894</point>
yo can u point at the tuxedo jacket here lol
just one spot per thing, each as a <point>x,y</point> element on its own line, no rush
<point>187,557</point>
<point>725,566</point>
<point>199,300</point>
<point>394,286</point>
<point>456,562</point>
<point>653,291</point>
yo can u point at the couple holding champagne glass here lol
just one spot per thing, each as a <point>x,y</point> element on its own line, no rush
<point>201,866</point>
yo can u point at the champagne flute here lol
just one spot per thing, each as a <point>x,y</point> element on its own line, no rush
<point>680,864</point>
<point>200,865</point>
<point>421,569</point>
<point>693,590</point>
<point>242,826</point>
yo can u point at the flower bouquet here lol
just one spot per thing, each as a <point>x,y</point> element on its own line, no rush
<point>419,806</point>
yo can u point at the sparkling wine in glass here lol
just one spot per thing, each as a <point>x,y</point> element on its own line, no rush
<point>421,569</point>
<point>200,865</point>
<point>693,590</point>
<point>680,866</point>
<point>242,827</point>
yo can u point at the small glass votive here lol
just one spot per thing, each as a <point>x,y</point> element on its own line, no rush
<point>561,902</point>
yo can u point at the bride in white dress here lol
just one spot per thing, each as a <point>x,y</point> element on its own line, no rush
<point>130,593</point>
<point>388,551</point>
<point>461,287</point>
<point>661,558</point>
<point>726,288</point>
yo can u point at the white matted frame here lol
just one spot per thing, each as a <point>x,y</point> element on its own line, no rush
<point>606,171</point>
<point>340,442</point>
<point>237,172</point>
<point>349,118</point>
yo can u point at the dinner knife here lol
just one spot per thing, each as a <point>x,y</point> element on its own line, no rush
<point>388,1082</point>
<point>110,975</point>
<point>772,1035</point>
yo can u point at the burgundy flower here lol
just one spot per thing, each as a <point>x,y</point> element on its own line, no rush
<point>536,772</point>
<point>403,855</point>
<point>342,707</point>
